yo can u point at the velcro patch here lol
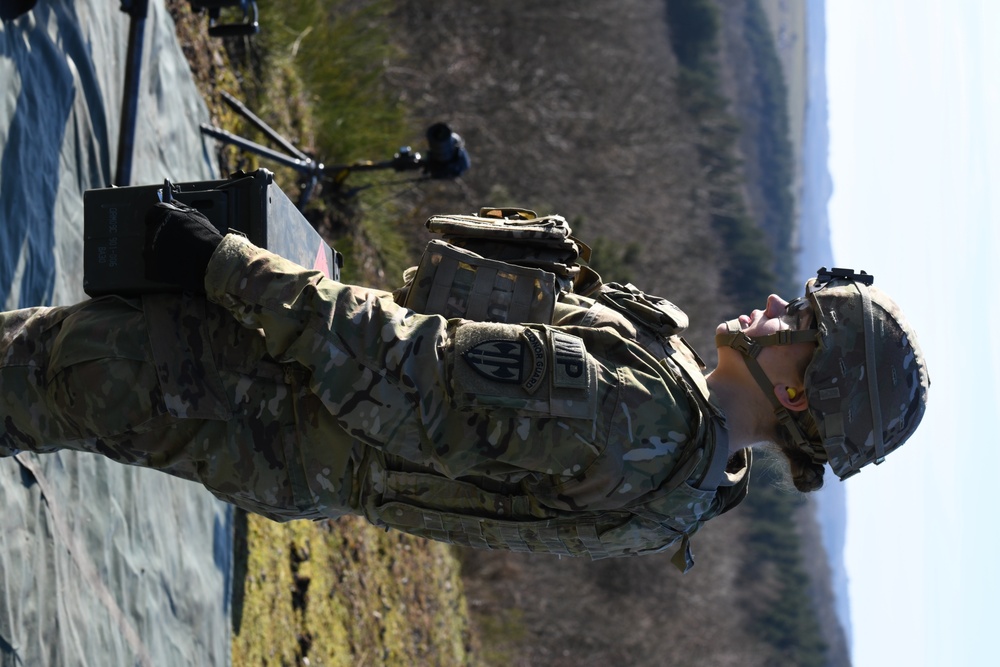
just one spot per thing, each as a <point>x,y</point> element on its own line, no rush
<point>569,361</point>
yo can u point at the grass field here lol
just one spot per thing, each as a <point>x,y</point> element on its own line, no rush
<point>342,593</point>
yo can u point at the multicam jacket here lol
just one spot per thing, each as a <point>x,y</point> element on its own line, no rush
<point>580,437</point>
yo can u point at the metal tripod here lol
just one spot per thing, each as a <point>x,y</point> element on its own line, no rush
<point>447,157</point>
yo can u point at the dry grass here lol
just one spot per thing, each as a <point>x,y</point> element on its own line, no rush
<point>343,593</point>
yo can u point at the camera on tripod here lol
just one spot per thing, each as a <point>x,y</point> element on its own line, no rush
<point>446,156</point>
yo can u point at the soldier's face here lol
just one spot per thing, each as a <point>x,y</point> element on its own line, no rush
<point>773,318</point>
<point>782,363</point>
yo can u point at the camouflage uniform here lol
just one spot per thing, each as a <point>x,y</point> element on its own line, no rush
<point>294,396</point>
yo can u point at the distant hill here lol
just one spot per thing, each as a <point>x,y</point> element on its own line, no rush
<point>830,507</point>
<point>815,249</point>
<point>814,245</point>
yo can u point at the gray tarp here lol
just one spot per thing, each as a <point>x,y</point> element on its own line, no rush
<point>100,564</point>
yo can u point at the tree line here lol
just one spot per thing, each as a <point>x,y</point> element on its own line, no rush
<point>760,260</point>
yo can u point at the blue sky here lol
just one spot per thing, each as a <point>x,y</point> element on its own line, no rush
<point>914,89</point>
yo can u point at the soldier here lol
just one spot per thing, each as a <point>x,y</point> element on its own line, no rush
<point>593,432</point>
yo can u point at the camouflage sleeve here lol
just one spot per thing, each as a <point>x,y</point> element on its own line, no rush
<point>290,303</point>
<point>374,365</point>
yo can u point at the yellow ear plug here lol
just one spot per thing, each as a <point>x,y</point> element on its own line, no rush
<point>792,394</point>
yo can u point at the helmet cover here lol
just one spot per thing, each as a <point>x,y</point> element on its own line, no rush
<point>867,382</point>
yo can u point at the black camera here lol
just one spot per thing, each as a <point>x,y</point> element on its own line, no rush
<point>446,154</point>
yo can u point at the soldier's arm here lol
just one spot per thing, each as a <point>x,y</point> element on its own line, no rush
<point>309,319</point>
<point>375,365</point>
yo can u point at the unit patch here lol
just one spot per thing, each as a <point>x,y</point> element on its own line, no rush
<point>520,361</point>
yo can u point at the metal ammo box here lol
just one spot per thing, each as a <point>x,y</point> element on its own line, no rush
<point>114,228</point>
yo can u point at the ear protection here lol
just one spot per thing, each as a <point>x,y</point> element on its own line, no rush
<point>792,393</point>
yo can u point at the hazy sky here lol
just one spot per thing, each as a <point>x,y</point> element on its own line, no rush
<point>914,89</point>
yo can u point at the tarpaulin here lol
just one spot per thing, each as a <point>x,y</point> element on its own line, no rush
<point>100,564</point>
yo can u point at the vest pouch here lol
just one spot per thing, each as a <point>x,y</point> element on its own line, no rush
<point>429,490</point>
<point>544,536</point>
<point>457,283</point>
<point>606,535</point>
<point>656,313</point>
<point>517,236</point>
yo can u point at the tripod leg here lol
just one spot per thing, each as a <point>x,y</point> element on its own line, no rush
<point>257,122</point>
<point>304,166</point>
<point>138,10</point>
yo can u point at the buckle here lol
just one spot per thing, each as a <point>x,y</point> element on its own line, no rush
<point>783,336</point>
<point>745,345</point>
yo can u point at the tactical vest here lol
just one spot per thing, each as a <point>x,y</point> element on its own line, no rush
<point>509,265</point>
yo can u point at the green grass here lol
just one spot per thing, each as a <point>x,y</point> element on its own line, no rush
<point>316,74</point>
<point>344,593</point>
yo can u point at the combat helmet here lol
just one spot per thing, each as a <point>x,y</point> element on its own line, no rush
<point>867,381</point>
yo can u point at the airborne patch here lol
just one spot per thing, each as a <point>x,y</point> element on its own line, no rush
<point>520,361</point>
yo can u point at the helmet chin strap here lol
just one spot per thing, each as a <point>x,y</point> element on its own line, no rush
<point>749,348</point>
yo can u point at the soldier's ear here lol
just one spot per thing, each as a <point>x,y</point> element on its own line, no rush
<point>792,398</point>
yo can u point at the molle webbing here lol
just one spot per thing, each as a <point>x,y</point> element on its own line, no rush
<point>576,536</point>
<point>504,265</point>
<point>456,283</point>
<point>502,519</point>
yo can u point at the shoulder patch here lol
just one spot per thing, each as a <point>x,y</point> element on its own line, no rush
<point>521,361</point>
